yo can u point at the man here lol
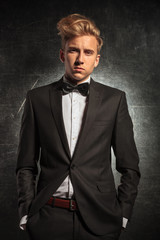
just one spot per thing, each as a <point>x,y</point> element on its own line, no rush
<point>68,128</point>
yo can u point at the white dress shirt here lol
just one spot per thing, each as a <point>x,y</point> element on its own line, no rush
<point>73,107</point>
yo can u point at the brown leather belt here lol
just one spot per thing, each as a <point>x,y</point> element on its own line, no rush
<point>63,203</point>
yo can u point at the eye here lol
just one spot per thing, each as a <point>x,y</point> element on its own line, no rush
<point>88,52</point>
<point>72,50</point>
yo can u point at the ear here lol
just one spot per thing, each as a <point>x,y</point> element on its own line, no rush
<point>97,60</point>
<point>61,56</point>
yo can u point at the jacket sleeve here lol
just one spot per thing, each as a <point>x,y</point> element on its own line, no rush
<point>127,159</point>
<point>28,155</point>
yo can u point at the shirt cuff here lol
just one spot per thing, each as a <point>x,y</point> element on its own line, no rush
<point>124,222</point>
<point>23,221</point>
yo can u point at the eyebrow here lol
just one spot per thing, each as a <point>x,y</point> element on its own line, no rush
<point>76,48</point>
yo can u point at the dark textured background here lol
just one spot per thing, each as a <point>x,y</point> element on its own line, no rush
<point>29,52</point>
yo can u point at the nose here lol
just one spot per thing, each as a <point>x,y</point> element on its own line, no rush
<point>79,59</point>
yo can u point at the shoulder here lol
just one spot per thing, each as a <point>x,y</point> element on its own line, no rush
<point>107,90</point>
<point>114,96</point>
<point>42,90</point>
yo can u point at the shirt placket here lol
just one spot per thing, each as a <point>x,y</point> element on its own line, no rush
<point>74,121</point>
<point>74,131</point>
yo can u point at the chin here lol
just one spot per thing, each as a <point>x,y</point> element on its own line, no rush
<point>76,78</point>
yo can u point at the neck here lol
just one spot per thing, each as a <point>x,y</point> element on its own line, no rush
<point>73,81</point>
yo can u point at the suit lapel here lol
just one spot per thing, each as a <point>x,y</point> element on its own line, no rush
<point>93,105</point>
<point>56,106</point>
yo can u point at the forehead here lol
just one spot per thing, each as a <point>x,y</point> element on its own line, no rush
<point>85,42</point>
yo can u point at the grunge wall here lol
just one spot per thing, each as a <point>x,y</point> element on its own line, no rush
<point>130,61</point>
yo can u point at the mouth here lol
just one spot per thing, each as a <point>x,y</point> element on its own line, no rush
<point>78,69</point>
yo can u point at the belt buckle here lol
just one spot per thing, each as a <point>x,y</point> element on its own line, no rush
<point>71,205</point>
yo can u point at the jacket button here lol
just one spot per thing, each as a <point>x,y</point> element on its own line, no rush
<point>73,166</point>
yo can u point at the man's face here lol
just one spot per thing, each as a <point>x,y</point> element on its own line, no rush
<point>80,57</point>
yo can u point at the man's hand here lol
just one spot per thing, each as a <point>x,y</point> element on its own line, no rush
<point>23,227</point>
<point>23,222</point>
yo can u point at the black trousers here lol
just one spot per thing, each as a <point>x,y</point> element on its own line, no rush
<point>60,224</point>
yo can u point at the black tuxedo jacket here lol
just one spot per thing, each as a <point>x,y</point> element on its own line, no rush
<point>43,140</point>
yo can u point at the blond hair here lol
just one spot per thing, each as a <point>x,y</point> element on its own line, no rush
<point>78,25</point>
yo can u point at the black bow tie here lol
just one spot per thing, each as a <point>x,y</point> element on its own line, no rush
<point>81,88</point>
